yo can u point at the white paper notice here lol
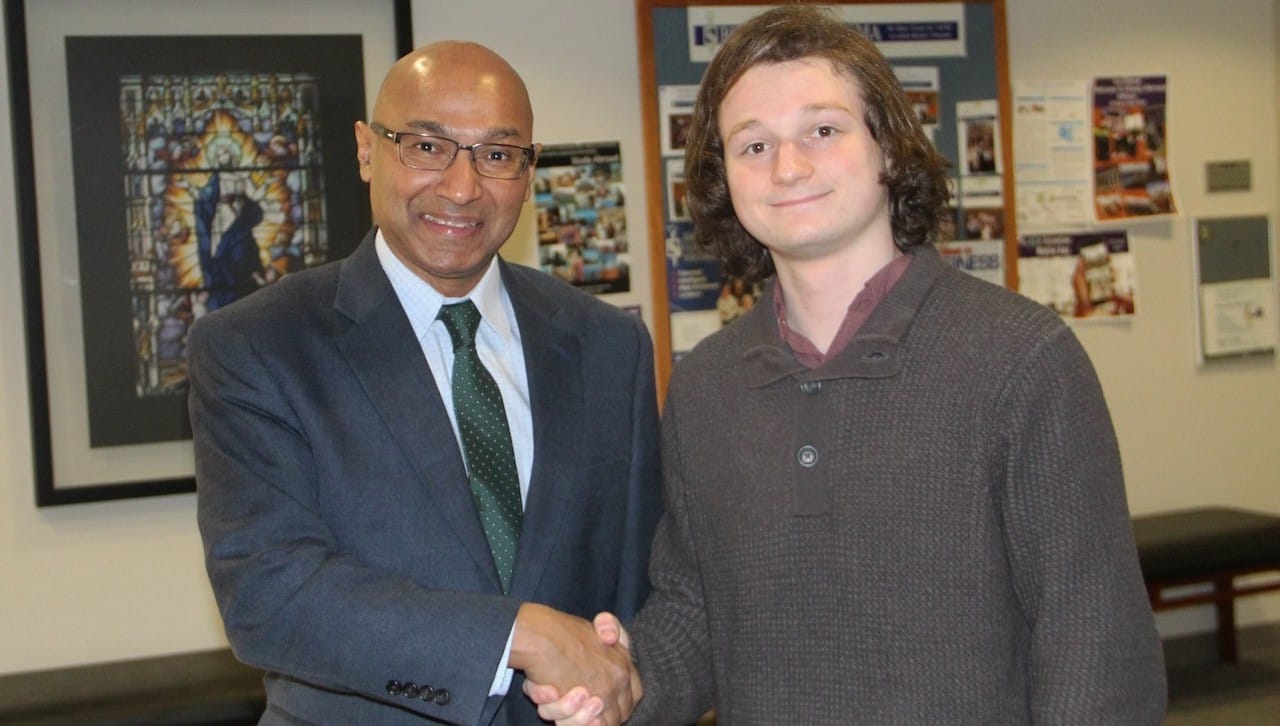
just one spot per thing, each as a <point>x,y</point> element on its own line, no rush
<point>1051,153</point>
<point>1238,317</point>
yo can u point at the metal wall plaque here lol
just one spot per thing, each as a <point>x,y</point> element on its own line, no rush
<point>1229,176</point>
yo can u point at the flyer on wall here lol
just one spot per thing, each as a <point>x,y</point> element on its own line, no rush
<point>1051,153</point>
<point>675,114</point>
<point>1080,275</point>
<point>923,88</point>
<point>582,223</point>
<point>1237,317</point>
<point>701,297</point>
<point>677,194</point>
<point>1130,148</point>
<point>693,284</point>
<point>984,259</point>
<point>978,130</point>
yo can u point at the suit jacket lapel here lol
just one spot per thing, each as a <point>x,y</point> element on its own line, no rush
<point>381,349</point>
<point>553,362</point>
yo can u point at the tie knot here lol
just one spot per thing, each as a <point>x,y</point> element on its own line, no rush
<point>461,320</point>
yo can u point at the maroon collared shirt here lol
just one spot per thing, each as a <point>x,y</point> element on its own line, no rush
<point>859,310</point>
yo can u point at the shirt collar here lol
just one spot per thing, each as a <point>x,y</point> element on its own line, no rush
<point>422,302</point>
<point>874,352</point>
<point>864,303</point>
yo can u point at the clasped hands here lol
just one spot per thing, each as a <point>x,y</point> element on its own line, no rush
<point>578,673</point>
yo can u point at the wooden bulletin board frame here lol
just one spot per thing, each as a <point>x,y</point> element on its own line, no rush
<point>982,73</point>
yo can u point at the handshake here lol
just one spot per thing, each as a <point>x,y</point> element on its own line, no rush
<point>579,673</point>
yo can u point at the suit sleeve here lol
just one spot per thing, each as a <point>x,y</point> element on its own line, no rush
<point>1095,655</point>
<point>644,490</point>
<point>292,601</point>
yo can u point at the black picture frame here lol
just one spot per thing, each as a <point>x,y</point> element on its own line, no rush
<point>142,443</point>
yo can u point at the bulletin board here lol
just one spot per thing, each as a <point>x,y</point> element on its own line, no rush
<point>958,80</point>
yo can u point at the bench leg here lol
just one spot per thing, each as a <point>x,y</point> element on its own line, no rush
<point>1225,605</point>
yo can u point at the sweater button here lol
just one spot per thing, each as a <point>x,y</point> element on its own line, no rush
<point>807,456</point>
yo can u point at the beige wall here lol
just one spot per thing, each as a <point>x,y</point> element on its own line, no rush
<point>1188,436</point>
<point>118,580</point>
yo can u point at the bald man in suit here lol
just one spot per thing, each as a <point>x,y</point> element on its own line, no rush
<point>335,489</point>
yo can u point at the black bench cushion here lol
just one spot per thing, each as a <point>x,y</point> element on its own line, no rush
<point>1204,541</point>
<point>209,687</point>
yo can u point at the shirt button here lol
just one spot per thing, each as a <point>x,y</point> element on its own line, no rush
<point>807,456</point>
<point>811,387</point>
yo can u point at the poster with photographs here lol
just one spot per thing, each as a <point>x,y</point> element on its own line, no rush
<point>582,223</point>
<point>693,284</point>
<point>702,298</point>
<point>1130,148</point>
<point>980,223</point>
<point>675,113</point>
<point>1081,275</point>
<point>978,128</point>
<point>922,88</point>
<point>677,195</point>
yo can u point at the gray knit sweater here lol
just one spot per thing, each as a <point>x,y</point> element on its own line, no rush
<point>930,528</point>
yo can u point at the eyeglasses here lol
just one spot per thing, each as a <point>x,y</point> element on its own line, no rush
<point>436,153</point>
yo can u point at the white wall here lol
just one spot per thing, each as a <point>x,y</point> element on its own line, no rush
<point>90,582</point>
<point>1188,435</point>
<point>96,582</point>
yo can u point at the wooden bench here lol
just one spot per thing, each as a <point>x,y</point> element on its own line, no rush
<point>204,688</point>
<point>1207,546</point>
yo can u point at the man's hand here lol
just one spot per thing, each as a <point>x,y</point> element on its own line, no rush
<point>610,631</point>
<point>558,652</point>
<point>578,707</point>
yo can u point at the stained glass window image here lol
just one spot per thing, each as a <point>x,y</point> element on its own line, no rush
<point>224,195</point>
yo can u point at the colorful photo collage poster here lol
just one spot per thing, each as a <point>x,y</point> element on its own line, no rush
<point>1130,148</point>
<point>582,224</point>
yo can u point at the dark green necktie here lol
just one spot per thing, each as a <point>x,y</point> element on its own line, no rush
<point>486,440</point>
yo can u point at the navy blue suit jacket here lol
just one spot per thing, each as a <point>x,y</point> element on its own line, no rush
<point>340,536</point>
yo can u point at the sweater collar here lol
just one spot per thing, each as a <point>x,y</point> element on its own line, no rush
<point>874,351</point>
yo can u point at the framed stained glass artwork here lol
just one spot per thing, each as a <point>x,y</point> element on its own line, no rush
<point>170,159</point>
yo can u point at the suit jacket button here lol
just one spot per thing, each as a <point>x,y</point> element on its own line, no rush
<point>442,696</point>
<point>427,693</point>
<point>411,690</point>
<point>394,688</point>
